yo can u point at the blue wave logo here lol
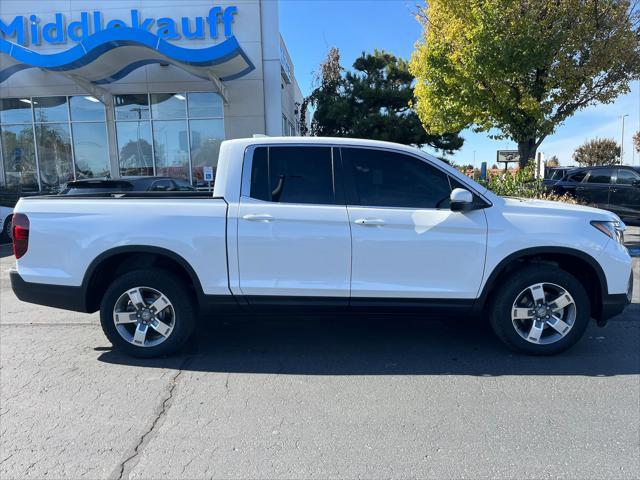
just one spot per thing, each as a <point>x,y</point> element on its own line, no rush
<point>226,60</point>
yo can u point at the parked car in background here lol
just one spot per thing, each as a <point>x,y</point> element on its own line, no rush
<point>6,213</point>
<point>93,186</point>
<point>552,175</point>
<point>615,188</point>
<point>129,184</point>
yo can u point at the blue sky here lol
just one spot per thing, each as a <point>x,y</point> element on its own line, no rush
<point>310,27</point>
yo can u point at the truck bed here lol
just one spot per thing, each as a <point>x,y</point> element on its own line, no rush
<point>67,233</point>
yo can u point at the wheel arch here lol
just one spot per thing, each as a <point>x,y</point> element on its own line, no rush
<point>581,265</point>
<point>116,261</point>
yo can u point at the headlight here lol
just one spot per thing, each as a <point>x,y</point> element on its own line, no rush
<point>612,229</point>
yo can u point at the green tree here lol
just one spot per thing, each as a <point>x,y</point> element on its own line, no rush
<point>520,67</point>
<point>372,101</point>
<point>636,141</point>
<point>600,151</point>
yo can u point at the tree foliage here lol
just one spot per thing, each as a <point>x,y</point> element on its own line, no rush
<point>372,101</point>
<point>636,141</point>
<point>524,184</point>
<point>600,151</point>
<point>553,162</point>
<point>521,66</point>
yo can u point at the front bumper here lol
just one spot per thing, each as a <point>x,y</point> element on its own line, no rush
<point>57,296</point>
<point>613,305</point>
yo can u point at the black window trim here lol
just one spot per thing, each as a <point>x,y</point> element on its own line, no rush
<point>247,164</point>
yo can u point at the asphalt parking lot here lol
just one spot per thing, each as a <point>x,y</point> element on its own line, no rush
<point>314,398</point>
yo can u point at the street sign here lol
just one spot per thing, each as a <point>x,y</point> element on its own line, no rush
<point>208,174</point>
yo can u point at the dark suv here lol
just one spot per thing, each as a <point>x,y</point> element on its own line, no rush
<point>129,184</point>
<point>554,174</point>
<point>615,188</point>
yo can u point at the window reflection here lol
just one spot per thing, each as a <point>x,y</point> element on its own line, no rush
<point>91,150</point>
<point>16,110</point>
<point>54,154</point>
<point>43,138</point>
<point>134,148</point>
<point>50,109</point>
<point>87,109</point>
<point>131,107</point>
<point>206,137</point>
<point>18,153</point>
<point>171,144</point>
<point>168,106</point>
<point>206,104</point>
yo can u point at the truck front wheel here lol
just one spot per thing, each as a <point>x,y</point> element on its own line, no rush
<point>540,310</point>
<point>147,313</point>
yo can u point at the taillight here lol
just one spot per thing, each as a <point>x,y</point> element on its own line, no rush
<point>20,231</point>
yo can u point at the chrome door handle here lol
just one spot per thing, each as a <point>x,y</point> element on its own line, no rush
<point>258,217</point>
<point>373,222</point>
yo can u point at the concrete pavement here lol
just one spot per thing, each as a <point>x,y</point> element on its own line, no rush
<point>310,398</point>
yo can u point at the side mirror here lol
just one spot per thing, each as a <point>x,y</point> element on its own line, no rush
<point>461,200</point>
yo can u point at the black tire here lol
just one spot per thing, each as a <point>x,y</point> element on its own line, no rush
<point>506,293</point>
<point>182,302</point>
<point>6,228</point>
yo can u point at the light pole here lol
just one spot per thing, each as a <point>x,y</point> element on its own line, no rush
<point>622,141</point>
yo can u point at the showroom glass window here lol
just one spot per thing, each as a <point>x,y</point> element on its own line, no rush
<point>18,145</point>
<point>173,134</point>
<point>89,133</point>
<point>37,136</point>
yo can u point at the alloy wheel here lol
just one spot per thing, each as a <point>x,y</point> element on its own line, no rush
<point>543,313</point>
<point>144,316</point>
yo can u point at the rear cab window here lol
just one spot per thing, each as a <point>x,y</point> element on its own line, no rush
<point>294,174</point>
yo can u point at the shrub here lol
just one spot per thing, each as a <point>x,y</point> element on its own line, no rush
<point>523,184</point>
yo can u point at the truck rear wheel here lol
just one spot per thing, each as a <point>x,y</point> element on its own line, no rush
<point>147,313</point>
<point>540,310</point>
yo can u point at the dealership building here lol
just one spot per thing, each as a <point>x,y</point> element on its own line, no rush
<point>96,88</point>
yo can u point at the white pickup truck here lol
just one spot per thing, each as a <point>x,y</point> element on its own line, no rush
<point>317,223</point>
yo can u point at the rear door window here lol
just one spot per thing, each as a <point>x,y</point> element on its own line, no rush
<point>293,175</point>
<point>577,177</point>
<point>601,176</point>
